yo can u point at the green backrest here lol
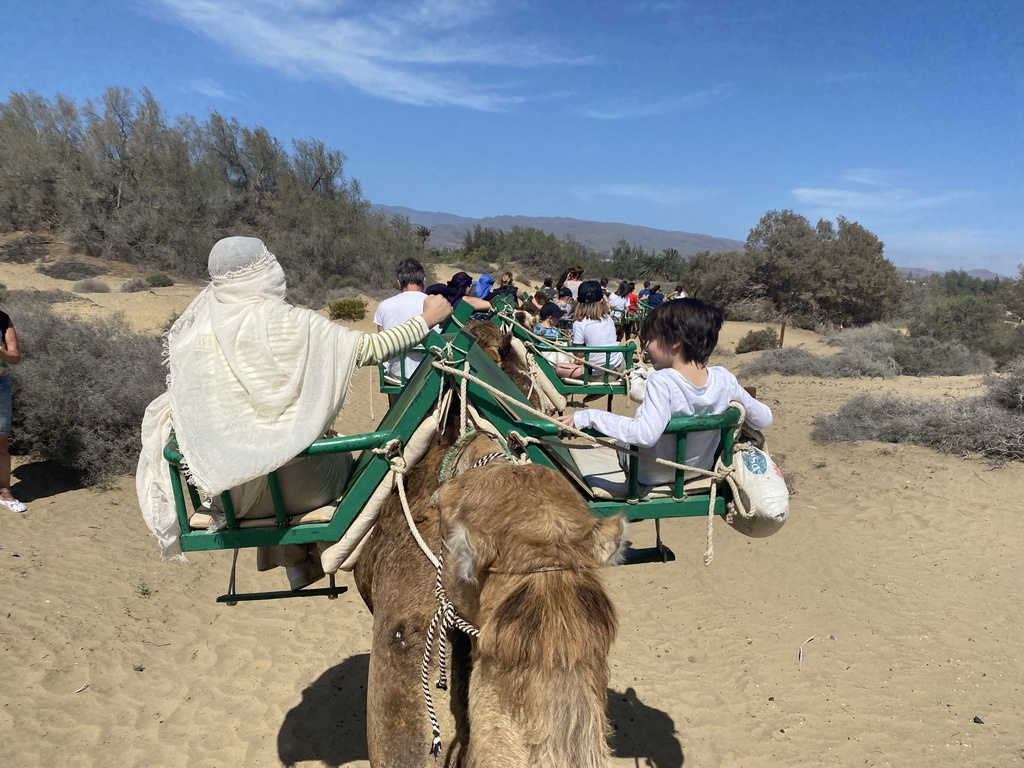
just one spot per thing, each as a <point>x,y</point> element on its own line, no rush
<point>680,426</point>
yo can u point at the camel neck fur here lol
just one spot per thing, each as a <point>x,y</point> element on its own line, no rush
<point>538,691</point>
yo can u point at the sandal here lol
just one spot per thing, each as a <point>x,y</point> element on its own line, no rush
<point>14,505</point>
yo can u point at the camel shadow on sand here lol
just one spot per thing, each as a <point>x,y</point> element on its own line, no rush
<point>644,733</point>
<point>329,724</point>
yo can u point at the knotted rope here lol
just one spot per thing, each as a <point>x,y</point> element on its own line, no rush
<point>445,617</point>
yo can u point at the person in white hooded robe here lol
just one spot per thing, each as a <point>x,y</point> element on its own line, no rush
<point>252,381</point>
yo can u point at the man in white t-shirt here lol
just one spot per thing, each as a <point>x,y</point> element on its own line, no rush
<point>396,310</point>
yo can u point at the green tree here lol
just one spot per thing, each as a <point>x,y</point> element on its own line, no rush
<point>829,273</point>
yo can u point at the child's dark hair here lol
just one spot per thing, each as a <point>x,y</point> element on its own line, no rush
<point>689,322</point>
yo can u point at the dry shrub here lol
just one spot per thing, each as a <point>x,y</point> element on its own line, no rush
<point>755,341</point>
<point>24,250</point>
<point>1007,389</point>
<point>37,298</point>
<point>925,356</point>
<point>874,336</point>
<point>875,350</point>
<point>750,310</point>
<point>81,389</point>
<point>960,427</point>
<point>915,355</point>
<point>71,270</point>
<point>796,361</point>
<point>159,280</point>
<point>91,285</point>
<point>134,285</point>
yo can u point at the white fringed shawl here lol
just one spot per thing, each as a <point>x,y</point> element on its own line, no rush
<point>253,381</point>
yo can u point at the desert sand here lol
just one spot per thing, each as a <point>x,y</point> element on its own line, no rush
<point>875,629</point>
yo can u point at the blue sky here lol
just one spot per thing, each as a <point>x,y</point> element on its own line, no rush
<point>904,115</point>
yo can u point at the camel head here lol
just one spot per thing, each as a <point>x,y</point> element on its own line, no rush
<point>523,563</point>
<point>508,519</point>
<point>490,338</point>
<point>497,344</point>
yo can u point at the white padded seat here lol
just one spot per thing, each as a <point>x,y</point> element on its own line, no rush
<point>201,520</point>
<point>605,479</point>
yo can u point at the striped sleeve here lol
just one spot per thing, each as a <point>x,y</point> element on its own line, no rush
<point>377,347</point>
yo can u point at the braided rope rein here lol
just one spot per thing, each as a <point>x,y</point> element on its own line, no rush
<point>445,618</point>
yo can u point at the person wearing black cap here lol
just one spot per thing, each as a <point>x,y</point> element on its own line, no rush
<point>550,314</point>
<point>593,325</point>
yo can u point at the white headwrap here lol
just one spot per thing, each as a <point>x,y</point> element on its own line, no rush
<point>253,381</point>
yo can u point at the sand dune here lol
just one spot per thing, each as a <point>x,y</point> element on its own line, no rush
<point>871,631</point>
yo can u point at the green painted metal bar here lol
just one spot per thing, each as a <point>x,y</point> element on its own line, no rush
<point>245,597</point>
<point>280,515</point>
<point>347,443</point>
<point>652,509</point>
<point>179,497</point>
<point>727,419</point>
<point>228,507</point>
<point>680,476</point>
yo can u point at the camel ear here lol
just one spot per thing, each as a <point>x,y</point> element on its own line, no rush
<point>610,540</point>
<point>461,555</point>
<point>466,552</point>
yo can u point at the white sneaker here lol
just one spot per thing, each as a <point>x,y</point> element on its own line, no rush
<point>14,505</point>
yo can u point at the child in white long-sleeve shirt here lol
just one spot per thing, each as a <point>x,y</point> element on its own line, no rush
<point>680,337</point>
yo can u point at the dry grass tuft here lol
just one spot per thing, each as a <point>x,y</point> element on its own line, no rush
<point>91,285</point>
<point>976,426</point>
<point>875,350</point>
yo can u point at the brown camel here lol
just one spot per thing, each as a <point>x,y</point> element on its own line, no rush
<point>396,580</point>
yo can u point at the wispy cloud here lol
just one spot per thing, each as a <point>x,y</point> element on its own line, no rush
<point>660,194</point>
<point>873,191</point>
<point>633,110</point>
<point>871,176</point>
<point>209,87</point>
<point>423,53</point>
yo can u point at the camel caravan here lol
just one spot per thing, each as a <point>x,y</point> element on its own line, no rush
<point>477,517</point>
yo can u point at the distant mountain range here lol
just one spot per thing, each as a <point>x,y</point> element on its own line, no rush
<point>920,273</point>
<point>447,231</point>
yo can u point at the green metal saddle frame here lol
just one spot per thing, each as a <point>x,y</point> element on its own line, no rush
<point>602,383</point>
<point>509,414</point>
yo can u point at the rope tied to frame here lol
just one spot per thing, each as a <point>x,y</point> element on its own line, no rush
<point>391,451</point>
